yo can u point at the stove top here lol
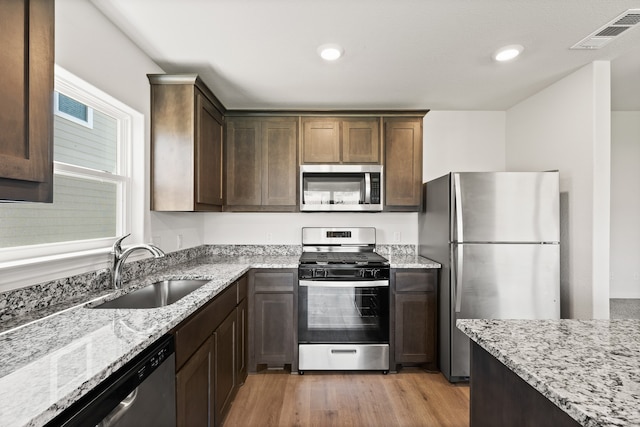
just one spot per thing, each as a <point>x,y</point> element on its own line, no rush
<point>345,258</point>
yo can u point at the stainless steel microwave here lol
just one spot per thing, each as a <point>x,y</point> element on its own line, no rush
<point>345,188</point>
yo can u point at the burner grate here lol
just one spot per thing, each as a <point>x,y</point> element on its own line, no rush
<point>348,258</point>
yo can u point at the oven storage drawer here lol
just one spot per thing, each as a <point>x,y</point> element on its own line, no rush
<point>343,357</point>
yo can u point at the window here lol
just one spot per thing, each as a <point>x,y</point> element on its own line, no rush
<point>73,110</point>
<point>92,140</point>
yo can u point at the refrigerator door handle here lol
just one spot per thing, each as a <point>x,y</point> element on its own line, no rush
<point>458,207</point>
<point>459,257</point>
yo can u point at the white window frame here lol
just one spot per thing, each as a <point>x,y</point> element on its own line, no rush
<point>52,261</point>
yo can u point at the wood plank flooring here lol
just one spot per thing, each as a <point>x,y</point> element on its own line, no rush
<point>410,398</point>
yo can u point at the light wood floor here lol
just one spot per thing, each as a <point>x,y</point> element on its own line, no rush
<point>409,398</point>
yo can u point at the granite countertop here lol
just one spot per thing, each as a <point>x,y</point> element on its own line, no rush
<point>588,368</point>
<point>48,363</point>
<point>411,261</point>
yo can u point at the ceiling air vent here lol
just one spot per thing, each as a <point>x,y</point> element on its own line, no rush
<point>609,31</point>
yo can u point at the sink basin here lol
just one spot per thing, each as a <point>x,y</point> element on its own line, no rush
<point>158,294</point>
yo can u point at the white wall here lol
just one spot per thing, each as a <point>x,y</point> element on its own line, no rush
<point>567,127</point>
<point>88,45</point>
<point>285,228</point>
<point>463,141</point>
<point>625,204</point>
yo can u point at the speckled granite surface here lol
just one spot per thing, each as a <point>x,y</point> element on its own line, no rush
<point>19,306</point>
<point>411,261</point>
<point>48,363</point>
<point>588,368</point>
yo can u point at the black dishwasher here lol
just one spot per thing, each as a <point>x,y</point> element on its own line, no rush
<point>141,393</point>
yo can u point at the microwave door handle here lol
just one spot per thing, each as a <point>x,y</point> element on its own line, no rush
<point>367,188</point>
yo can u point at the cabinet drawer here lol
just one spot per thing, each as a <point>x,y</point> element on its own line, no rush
<point>195,330</point>
<point>275,281</point>
<point>416,280</point>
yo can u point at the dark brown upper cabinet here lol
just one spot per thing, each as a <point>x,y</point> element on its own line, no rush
<point>402,163</point>
<point>26,90</point>
<point>262,163</point>
<point>334,140</point>
<point>187,123</point>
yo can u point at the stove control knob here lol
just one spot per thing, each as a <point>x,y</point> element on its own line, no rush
<point>320,272</point>
<point>375,272</point>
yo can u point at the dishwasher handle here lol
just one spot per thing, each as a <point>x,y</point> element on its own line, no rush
<point>119,411</point>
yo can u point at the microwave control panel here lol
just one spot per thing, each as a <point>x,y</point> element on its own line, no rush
<point>375,188</point>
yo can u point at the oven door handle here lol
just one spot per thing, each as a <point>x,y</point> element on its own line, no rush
<point>344,283</point>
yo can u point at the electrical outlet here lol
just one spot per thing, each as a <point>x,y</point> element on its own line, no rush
<point>269,237</point>
<point>179,241</point>
<point>397,237</point>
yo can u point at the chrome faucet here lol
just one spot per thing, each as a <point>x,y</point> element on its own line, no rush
<point>118,257</point>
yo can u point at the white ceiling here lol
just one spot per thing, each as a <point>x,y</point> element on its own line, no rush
<point>404,54</point>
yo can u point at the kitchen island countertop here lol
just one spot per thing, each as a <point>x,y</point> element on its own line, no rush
<point>590,369</point>
<point>51,362</point>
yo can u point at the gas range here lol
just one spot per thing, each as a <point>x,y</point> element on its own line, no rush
<point>341,254</point>
<point>343,301</point>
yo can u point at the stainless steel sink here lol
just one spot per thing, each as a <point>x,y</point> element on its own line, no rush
<point>158,294</point>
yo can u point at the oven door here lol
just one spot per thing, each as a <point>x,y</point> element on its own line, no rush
<point>340,311</point>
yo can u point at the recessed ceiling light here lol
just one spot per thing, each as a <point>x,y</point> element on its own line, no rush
<point>508,53</point>
<point>330,52</point>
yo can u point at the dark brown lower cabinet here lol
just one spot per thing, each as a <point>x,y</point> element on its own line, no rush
<point>273,339</point>
<point>192,388</point>
<point>224,363</point>
<point>210,345</point>
<point>273,328</point>
<point>414,317</point>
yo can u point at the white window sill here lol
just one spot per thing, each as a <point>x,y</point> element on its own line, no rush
<point>28,272</point>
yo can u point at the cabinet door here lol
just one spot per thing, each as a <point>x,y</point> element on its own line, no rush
<point>361,140</point>
<point>244,166</point>
<point>26,90</point>
<point>279,161</point>
<point>192,388</point>
<point>415,327</point>
<point>224,362</point>
<point>403,162</point>
<point>208,153</point>
<point>273,328</point>
<point>320,140</point>
<point>242,341</point>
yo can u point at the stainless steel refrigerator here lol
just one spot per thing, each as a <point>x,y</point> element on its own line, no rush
<point>497,237</point>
